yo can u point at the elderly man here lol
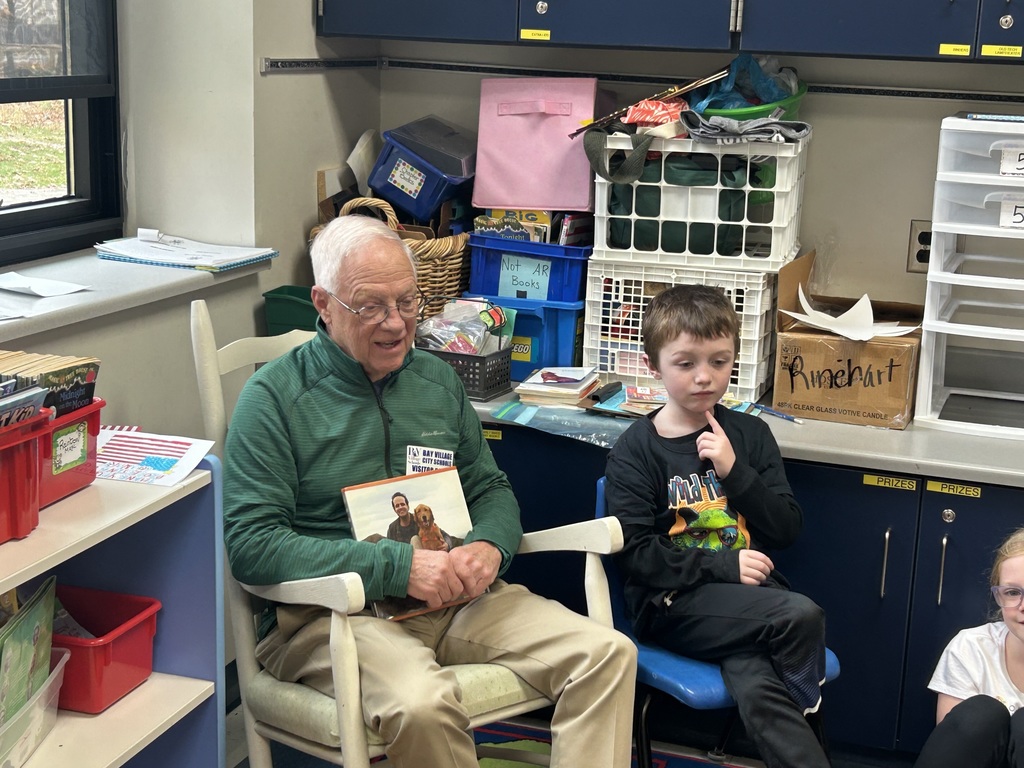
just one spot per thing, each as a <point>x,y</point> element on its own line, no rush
<point>346,408</point>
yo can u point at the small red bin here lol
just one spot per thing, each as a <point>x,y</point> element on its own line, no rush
<point>19,476</point>
<point>102,670</point>
<point>68,453</point>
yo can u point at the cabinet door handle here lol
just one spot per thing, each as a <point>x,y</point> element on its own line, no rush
<point>885,559</point>
<point>942,567</point>
<point>735,11</point>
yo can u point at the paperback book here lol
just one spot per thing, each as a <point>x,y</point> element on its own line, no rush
<point>426,510</point>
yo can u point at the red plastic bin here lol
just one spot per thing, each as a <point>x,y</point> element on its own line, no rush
<point>120,658</point>
<point>19,476</point>
<point>68,453</point>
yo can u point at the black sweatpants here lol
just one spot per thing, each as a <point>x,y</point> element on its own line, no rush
<point>770,643</point>
<point>978,732</point>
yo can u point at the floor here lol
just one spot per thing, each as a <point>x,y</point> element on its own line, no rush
<point>841,758</point>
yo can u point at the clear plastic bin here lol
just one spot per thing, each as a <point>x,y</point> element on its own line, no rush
<point>23,733</point>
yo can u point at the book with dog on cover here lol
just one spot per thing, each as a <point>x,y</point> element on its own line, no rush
<point>426,510</point>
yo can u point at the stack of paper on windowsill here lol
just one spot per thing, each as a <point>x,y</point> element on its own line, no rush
<point>178,252</point>
<point>558,385</point>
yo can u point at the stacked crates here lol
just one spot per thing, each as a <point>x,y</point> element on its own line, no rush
<point>725,215</point>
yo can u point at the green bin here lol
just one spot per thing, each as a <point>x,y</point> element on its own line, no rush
<point>289,307</point>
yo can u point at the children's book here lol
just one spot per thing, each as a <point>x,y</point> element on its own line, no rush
<point>636,394</point>
<point>25,650</point>
<point>425,509</point>
<point>21,405</point>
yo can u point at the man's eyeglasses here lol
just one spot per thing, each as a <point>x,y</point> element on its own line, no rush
<point>374,314</point>
<point>1008,597</point>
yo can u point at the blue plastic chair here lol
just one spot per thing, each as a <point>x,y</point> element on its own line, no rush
<point>697,684</point>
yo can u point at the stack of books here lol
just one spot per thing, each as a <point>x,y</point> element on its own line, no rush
<point>170,251</point>
<point>30,381</point>
<point>558,386</point>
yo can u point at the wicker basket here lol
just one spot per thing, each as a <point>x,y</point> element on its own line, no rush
<point>442,263</point>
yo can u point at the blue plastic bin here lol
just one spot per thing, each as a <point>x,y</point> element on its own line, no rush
<point>522,270</point>
<point>409,182</point>
<point>545,333</point>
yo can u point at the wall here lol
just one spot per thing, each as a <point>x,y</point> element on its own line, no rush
<point>216,150</point>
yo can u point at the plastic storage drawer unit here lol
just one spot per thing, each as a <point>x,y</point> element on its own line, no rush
<point>521,270</point>
<point>118,659</point>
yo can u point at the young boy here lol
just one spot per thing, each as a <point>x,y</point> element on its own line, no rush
<point>700,490</point>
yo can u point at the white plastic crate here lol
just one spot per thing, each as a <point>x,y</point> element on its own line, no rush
<point>743,212</point>
<point>616,300</point>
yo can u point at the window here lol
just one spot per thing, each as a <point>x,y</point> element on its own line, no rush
<point>60,164</point>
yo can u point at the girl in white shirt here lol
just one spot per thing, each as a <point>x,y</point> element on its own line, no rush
<point>980,679</point>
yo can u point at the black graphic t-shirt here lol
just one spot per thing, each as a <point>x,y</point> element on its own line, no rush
<point>683,525</point>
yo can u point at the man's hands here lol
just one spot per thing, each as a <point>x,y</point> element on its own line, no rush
<point>715,445</point>
<point>754,567</point>
<point>438,577</point>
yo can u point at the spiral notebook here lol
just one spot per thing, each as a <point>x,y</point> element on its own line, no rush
<point>182,253</point>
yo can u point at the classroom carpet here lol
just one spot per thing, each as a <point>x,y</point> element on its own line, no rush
<point>522,736</point>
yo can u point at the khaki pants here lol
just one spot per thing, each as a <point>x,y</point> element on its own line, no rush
<point>413,702</point>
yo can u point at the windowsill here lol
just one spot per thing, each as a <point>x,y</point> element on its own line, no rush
<point>113,286</point>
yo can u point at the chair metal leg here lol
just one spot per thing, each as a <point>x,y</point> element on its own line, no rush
<point>718,754</point>
<point>640,734</point>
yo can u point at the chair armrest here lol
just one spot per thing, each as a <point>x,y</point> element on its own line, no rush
<point>341,592</point>
<point>602,536</point>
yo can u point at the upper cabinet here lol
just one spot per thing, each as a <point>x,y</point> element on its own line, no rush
<point>638,24</point>
<point>953,30</point>
<point>937,30</point>
<point>486,21</point>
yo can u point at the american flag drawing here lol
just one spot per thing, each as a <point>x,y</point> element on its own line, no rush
<point>145,450</point>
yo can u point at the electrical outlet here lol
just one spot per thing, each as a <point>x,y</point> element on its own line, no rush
<point>920,246</point>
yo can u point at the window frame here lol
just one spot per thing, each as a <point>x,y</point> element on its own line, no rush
<point>93,212</point>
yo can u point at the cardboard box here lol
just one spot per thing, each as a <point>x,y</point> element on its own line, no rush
<point>820,375</point>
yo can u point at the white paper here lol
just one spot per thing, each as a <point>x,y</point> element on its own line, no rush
<point>37,286</point>
<point>857,323</point>
<point>362,159</point>
<point>141,457</point>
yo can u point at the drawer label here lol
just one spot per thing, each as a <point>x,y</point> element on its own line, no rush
<point>1011,212</point>
<point>1011,161</point>
<point>884,481</point>
<point>70,447</point>
<point>492,434</point>
<point>954,489</point>
<point>1004,51</point>
<point>954,49</point>
<point>534,34</point>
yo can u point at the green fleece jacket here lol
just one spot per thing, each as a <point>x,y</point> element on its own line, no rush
<point>311,423</point>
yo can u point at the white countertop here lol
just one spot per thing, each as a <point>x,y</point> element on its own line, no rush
<point>916,450</point>
<point>113,286</point>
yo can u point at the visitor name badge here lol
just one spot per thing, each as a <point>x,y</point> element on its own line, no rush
<point>422,459</point>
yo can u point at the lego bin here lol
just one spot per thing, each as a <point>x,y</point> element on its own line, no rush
<point>120,658</point>
<point>24,732</point>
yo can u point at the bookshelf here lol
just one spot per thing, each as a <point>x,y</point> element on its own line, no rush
<point>163,542</point>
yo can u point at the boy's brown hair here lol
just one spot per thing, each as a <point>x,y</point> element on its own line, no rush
<point>703,311</point>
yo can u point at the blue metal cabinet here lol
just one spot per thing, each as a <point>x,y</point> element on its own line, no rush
<point>962,524</point>
<point>487,21</point>
<point>1001,30</point>
<point>855,559</point>
<point>917,29</point>
<point>640,24</point>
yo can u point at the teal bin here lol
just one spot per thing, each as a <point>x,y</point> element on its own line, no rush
<point>545,333</point>
<point>288,308</point>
